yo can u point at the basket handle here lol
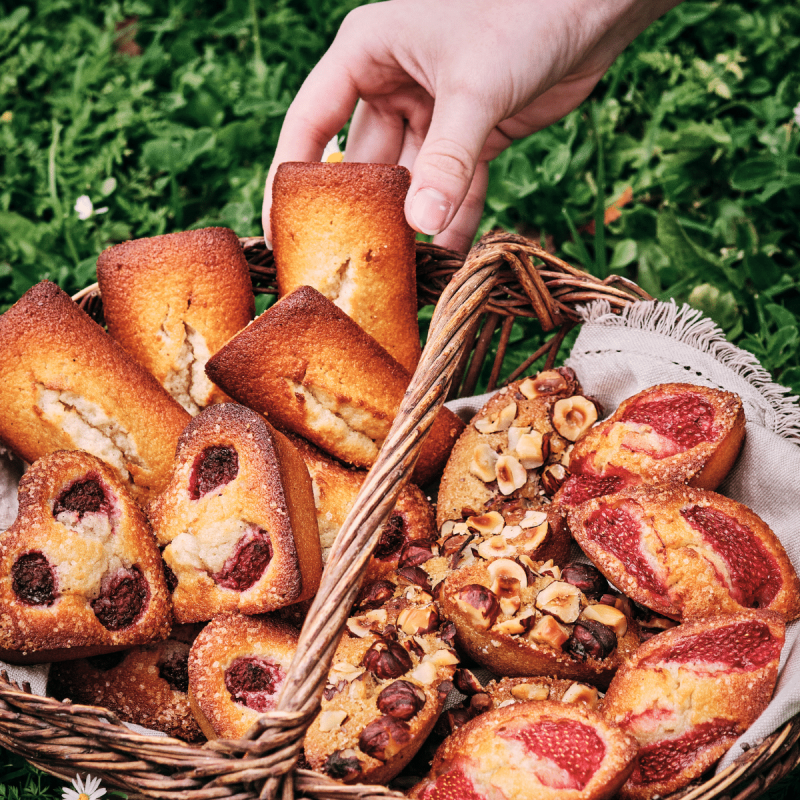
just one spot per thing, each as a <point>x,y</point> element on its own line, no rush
<point>460,304</point>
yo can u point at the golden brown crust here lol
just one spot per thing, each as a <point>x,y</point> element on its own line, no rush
<point>541,750</point>
<point>687,552</point>
<point>687,694</point>
<point>174,300</point>
<point>341,228</point>
<point>67,385</point>
<point>225,639</point>
<point>312,371</point>
<point>206,527</point>
<point>699,432</point>
<point>335,488</point>
<point>50,612</point>
<point>521,622</point>
<point>144,685</point>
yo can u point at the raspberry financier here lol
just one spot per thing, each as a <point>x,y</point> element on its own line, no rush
<point>670,433</point>
<point>174,300</point>
<point>508,460</point>
<point>687,552</point>
<point>690,692</point>
<point>237,667</point>
<point>237,521</point>
<point>542,750</point>
<point>146,685</point>
<point>65,384</point>
<point>335,489</point>
<point>80,572</point>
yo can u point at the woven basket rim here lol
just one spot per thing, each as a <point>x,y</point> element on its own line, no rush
<point>88,738</point>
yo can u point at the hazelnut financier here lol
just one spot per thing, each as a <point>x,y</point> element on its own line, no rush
<point>410,524</point>
<point>342,229</point>
<point>542,750</point>
<point>518,617</point>
<point>237,521</point>
<point>687,694</point>
<point>147,685</point>
<point>509,461</point>
<point>687,552</point>
<point>386,689</point>
<point>65,384</point>
<point>673,432</point>
<point>80,571</point>
<point>313,371</point>
<point>174,300</point>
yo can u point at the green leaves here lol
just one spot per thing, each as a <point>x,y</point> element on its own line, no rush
<point>161,139</point>
<point>698,118</point>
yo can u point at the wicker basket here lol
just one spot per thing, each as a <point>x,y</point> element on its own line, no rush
<point>504,277</point>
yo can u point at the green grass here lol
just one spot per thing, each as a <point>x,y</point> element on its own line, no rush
<point>696,118</point>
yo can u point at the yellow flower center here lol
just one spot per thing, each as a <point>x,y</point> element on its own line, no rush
<point>83,796</point>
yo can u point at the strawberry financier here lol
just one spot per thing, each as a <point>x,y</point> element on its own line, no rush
<point>541,750</point>
<point>673,432</point>
<point>687,552</point>
<point>690,692</point>
<point>80,572</point>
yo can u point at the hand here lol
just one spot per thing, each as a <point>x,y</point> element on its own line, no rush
<point>444,86</point>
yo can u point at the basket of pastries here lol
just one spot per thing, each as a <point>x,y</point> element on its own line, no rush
<point>261,558</point>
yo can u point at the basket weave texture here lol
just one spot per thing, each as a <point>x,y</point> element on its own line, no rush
<point>503,277</point>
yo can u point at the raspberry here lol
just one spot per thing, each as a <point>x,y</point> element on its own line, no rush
<point>393,537</point>
<point>33,580</point>
<point>214,467</point>
<point>254,682</point>
<point>247,564</point>
<point>86,496</point>
<point>122,599</point>
<point>174,669</point>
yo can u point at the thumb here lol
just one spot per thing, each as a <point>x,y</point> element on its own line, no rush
<point>446,162</point>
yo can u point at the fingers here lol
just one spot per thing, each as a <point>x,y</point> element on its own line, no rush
<point>458,235</point>
<point>374,137</point>
<point>444,168</point>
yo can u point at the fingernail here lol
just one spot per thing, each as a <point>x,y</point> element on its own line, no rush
<point>430,210</point>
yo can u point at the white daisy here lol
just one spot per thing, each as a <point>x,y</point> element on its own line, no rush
<point>797,113</point>
<point>85,208</point>
<point>332,153</point>
<point>88,789</point>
